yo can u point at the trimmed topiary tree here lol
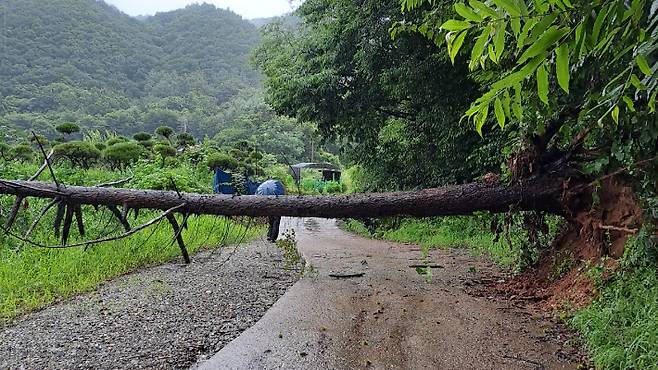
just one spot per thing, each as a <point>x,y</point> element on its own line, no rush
<point>142,136</point>
<point>165,132</point>
<point>22,152</point>
<point>116,140</point>
<point>79,153</point>
<point>123,154</point>
<point>5,149</point>
<point>164,151</point>
<point>67,128</point>
<point>222,161</point>
<point>183,140</point>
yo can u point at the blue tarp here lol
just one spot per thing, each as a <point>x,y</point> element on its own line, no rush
<point>271,187</point>
<point>222,184</point>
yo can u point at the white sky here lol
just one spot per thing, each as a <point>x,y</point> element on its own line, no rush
<point>248,9</point>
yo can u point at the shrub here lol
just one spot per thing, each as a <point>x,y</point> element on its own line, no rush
<point>142,136</point>
<point>39,139</point>
<point>22,152</point>
<point>165,131</point>
<point>67,128</point>
<point>147,144</point>
<point>116,140</point>
<point>121,155</point>
<point>222,161</point>
<point>5,149</point>
<point>184,140</point>
<point>164,151</point>
<point>79,153</point>
<point>100,146</point>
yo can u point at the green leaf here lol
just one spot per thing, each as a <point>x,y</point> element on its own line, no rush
<point>456,44</point>
<point>562,66</point>
<point>481,118</point>
<point>598,24</point>
<point>523,35</point>
<point>499,41</point>
<point>455,25</point>
<point>515,25</point>
<point>468,13</point>
<point>478,48</point>
<point>541,27</point>
<point>517,107</point>
<point>500,113</point>
<point>507,102</point>
<point>629,103</point>
<point>509,6</point>
<point>484,9</point>
<point>551,36</point>
<point>542,83</point>
<point>615,114</point>
<point>643,65</point>
<point>635,81</point>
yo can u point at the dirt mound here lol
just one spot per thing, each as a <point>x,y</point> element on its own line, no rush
<point>561,278</point>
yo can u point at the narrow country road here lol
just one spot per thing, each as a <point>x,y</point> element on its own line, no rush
<point>389,318</point>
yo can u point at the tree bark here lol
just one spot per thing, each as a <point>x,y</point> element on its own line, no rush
<point>544,193</point>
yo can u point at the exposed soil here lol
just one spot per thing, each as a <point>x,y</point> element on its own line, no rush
<point>364,307</point>
<point>159,318</point>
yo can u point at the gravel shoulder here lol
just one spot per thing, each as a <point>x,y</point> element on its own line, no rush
<point>165,317</point>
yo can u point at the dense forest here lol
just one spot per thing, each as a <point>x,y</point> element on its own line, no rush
<point>87,63</point>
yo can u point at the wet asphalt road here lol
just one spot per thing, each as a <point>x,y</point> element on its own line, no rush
<point>389,318</point>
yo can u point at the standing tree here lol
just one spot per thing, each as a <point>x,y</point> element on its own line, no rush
<point>5,149</point>
<point>121,155</point>
<point>79,153</point>
<point>164,151</point>
<point>184,140</point>
<point>165,132</point>
<point>67,129</point>
<point>22,152</point>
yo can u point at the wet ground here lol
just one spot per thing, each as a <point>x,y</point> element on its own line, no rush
<point>364,307</point>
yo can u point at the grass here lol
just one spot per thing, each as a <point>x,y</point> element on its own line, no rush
<point>620,329</point>
<point>442,232</point>
<point>33,277</point>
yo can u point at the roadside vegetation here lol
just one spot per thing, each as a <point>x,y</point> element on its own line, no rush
<point>497,92</point>
<point>32,276</point>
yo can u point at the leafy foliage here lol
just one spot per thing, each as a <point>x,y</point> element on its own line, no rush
<point>394,105</point>
<point>123,154</point>
<point>67,128</point>
<point>78,153</point>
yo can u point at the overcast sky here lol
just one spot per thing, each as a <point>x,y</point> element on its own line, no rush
<point>246,8</point>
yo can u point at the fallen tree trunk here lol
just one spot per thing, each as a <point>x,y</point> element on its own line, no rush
<point>545,193</point>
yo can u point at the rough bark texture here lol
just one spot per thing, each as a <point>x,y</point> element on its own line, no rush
<point>541,194</point>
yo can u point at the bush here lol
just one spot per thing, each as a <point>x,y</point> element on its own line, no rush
<point>22,152</point>
<point>222,161</point>
<point>67,128</point>
<point>147,144</point>
<point>116,140</point>
<point>79,153</point>
<point>184,140</point>
<point>39,139</point>
<point>5,149</point>
<point>100,146</point>
<point>165,131</point>
<point>142,136</point>
<point>122,154</point>
<point>164,151</point>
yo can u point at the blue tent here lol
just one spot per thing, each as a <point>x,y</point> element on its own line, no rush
<point>222,184</point>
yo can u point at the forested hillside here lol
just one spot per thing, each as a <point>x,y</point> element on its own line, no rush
<point>85,62</point>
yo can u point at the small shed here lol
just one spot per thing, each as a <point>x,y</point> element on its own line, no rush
<point>329,171</point>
